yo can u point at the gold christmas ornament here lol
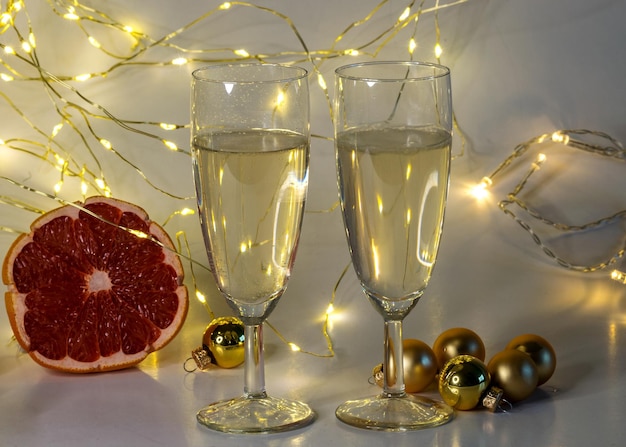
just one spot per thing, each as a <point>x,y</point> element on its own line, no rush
<point>458,341</point>
<point>420,366</point>
<point>540,351</point>
<point>224,339</point>
<point>515,373</point>
<point>464,383</point>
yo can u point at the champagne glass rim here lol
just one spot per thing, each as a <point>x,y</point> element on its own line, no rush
<point>249,73</point>
<point>359,71</point>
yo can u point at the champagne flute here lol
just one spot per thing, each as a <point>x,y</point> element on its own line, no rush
<point>250,149</point>
<point>393,127</point>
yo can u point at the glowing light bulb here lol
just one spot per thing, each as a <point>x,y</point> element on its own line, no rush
<point>330,309</point>
<point>351,52</point>
<point>225,5</point>
<point>100,183</point>
<point>321,81</point>
<point>170,145</point>
<point>106,143</point>
<point>438,51</point>
<point>412,45</point>
<point>70,16</point>
<point>5,18</point>
<point>82,77</point>
<point>187,212</point>
<point>5,77</point>
<point>294,347</point>
<point>241,52</point>
<point>83,187</point>
<point>280,98</point>
<point>200,296</point>
<point>618,276</point>
<point>180,61</point>
<point>94,42</point>
<point>404,14</point>
<point>56,129</point>
<point>9,50</point>
<point>58,186</point>
<point>167,126</point>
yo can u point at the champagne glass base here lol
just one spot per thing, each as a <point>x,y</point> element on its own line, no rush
<point>256,415</point>
<point>387,413</point>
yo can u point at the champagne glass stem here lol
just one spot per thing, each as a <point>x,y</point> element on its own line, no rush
<point>254,366</point>
<point>393,368</point>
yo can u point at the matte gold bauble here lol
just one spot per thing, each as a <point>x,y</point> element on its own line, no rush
<point>540,351</point>
<point>463,381</point>
<point>224,340</point>
<point>515,373</point>
<point>419,366</point>
<point>458,341</point>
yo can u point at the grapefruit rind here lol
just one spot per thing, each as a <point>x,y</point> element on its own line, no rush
<point>16,307</point>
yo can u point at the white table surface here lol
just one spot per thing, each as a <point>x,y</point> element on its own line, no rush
<point>490,276</point>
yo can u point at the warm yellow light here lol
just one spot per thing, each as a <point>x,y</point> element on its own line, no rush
<point>480,191</point>
<point>106,143</point>
<point>5,77</point>
<point>404,14</point>
<point>351,52</point>
<point>58,186</point>
<point>167,126</point>
<point>180,61</point>
<point>70,16</point>
<point>140,234</point>
<point>129,29</point>
<point>17,5</point>
<point>9,50</point>
<point>294,347</point>
<point>618,276</point>
<point>241,52</point>
<point>225,5</point>
<point>200,296</point>
<point>100,183</point>
<point>280,98</point>
<point>56,129</point>
<point>379,200</point>
<point>83,187</point>
<point>330,309</point>
<point>94,42</point>
<point>187,211</point>
<point>558,137</point>
<point>408,216</point>
<point>5,18</point>
<point>438,51</point>
<point>412,45</point>
<point>321,81</point>
<point>26,47</point>
<point>1,141</point>
<point>31,40</point>
<point>170,145</point>
<point>82,77</point>
<point>541,158</point>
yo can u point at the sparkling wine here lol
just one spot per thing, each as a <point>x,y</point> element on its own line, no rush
<point>393,184</point>
<point>255,204</point>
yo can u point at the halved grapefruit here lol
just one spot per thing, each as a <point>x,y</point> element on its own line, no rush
<point>85,296</point>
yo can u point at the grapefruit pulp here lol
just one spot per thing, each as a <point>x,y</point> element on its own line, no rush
<point>85,296</point>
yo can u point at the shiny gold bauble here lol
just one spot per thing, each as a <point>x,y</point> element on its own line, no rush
<point>515,373</point>
<point>224,340</point>
<point>420,366</point>
<point>540,351</point>
<point>463,381</point>
<point>458,341</point>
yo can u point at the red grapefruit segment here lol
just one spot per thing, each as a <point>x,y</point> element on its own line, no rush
<point>84,295</point>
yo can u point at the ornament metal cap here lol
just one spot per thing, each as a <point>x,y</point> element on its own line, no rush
<point>492,398</point>
<point>202,358</point>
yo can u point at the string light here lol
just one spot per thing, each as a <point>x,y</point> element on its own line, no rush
<point>572,138</point>
<point>76,110</point>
